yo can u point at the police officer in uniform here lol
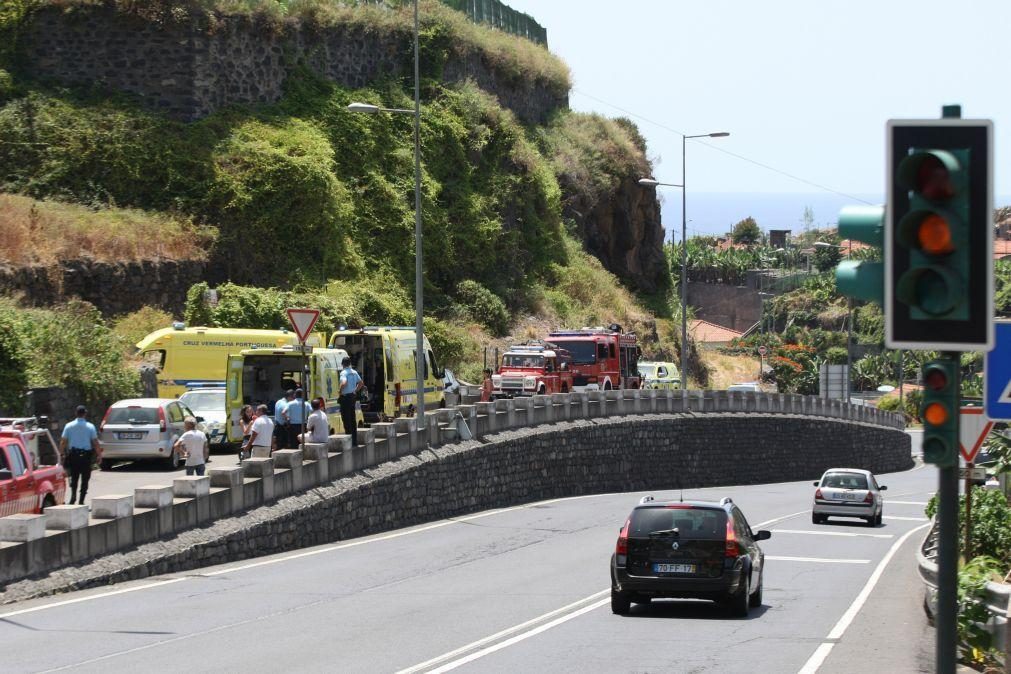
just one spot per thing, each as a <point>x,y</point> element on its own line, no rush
<point>81,450</point>
<point>351,383</point>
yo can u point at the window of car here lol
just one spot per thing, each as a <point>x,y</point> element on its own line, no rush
<point>699,523</point>
<point>661,372</point>
<point>175,413</point>
<point>5,470</point>
<point>133,415</point>
<point>741,527</point>
<point>845,481</point>
<point>18,467</point>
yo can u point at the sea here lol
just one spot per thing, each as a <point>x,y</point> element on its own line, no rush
<point>716,213</point>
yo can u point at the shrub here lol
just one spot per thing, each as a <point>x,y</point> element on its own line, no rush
<point>484,306</point>
<point>836,355</point>
<point>889,404</point>
<point>13,357</point>
<point>133,327</point>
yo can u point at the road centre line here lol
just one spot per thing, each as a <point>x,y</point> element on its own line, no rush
<point>819,560</point>
<point>848,534</point>
<point>817,658</point>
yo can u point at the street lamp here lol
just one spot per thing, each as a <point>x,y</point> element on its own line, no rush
<point>419,299</point>
<point>849,318</point>
<point>649,182</point>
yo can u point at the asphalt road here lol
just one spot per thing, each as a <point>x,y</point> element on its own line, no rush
<point>519,589</point>
<point>126,476</point>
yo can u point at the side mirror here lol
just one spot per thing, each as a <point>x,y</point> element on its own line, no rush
<point>200,420</point>
<point>882,488</point>
<point>564,367</point>
<point>815,483</point>
<point>763,535</point>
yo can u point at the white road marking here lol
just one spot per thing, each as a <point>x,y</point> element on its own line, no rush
<point>818,657</point>
<point>906,519</point>
<point>498,635</point>
<point>919,503</point>
<point>819,560</point>
<point>67,602</point>
<point>831,533</point>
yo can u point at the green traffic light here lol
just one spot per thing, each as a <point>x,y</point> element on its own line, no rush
<point>862,279</point>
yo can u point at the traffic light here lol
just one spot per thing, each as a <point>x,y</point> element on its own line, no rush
<point>939,235</point>
<point>862,279</point>
<point>939,411</point>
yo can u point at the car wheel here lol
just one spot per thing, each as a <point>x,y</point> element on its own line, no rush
<point>880,517</point>
<point>817,519</point>
<point>174,460</point>
<point>738,603</point>
<point>105,464</point>
<point>47,502</point>
<point>620,602</point>
<point>756,596</point>
<point>871,520</point>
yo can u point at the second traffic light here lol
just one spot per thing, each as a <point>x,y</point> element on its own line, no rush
<point>938,411</point>
<point>938,243</point>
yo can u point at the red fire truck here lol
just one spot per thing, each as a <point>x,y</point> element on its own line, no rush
<point>534,368</point>
<point>602,358</point>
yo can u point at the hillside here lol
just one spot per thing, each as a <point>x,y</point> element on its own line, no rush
<point>300,195</point>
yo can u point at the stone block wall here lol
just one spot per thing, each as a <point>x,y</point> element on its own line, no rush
<point>188,70</point>
<point>622,453</point>
<point>114,288</point>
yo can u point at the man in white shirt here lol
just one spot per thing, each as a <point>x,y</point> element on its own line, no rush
<point>194,447</point>
<point>261,434</point>
<point>316,425</point>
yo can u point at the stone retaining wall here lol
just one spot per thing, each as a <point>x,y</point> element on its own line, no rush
<point>620,453</point>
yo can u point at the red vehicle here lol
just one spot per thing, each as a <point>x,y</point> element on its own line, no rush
<point>602,358</point>
<point>26,487</point>
<point>534,368</point>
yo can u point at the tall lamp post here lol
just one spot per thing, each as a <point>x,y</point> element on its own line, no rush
<point>849,319</point>
<point>419,298</point>
<point>649,182</point>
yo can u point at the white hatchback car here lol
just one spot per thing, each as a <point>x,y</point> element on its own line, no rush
<point>848,492</point>
<point>208,403</point>
<point>143,428</point>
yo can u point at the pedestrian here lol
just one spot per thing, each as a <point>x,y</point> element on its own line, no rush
<point>297,410</point>
<point>261,434</point>
<point>281,419</point>
<point>487,387</point>
<point>246,417</point>
<point>81,450</point>
<point>193,446</point>
<point>316,426</point>
<point>351,383</point>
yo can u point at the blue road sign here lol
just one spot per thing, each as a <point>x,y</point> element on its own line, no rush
<point>997,374</point>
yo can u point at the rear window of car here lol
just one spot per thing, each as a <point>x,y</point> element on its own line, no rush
<point>133,415</point>
<point>706,523</point>
<point>845,481</point>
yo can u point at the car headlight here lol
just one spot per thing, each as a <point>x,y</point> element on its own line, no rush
<point>496,380</point>
<point>529,382</point>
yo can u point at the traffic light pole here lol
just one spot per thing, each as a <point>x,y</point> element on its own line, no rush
<point>947,554</point>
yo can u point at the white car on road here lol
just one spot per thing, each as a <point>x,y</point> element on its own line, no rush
<point>847,492</point>
<point>208,403</point>
<point>143,428</point>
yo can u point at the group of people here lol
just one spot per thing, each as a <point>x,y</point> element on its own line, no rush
<point>263,433</point>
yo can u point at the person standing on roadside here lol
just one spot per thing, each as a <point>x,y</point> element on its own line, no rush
<point>351,384</point>
<point>81,450</point>
<point>194,447</point>
<point>260,435</point>
<point>281,418</point>
<point>487,387</point>
<point>246,418</point>
<point>297,410</point>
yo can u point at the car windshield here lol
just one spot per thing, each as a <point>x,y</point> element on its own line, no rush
<point>132,415</point>
<point>522,360</point>
<point>203,400</point>
<point>647,370</point>
<point>845,481</point>
<point>583,352</point>
<point>707,523</point>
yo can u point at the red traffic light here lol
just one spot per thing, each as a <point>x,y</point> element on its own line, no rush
<point>935,379</point>
<point>933,180</point>
<point>934,235</point>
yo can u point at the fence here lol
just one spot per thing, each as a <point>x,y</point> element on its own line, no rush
<point>502,17</point>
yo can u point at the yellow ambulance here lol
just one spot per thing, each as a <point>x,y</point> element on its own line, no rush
<point>385,358</point>
<point>261,376</point>
<point>188,356</point>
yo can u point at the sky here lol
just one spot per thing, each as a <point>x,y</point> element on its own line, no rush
<point>803,87</point>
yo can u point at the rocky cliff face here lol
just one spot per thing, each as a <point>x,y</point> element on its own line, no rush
<point>622,229</point>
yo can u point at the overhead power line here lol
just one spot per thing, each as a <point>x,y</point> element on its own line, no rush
<point>826,188</point>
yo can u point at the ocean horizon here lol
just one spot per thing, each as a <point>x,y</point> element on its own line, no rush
<point>715,213</point>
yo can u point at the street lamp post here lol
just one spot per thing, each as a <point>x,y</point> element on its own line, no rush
<point>419,358</point>
<point>849,319</point>
<point>647,182</point>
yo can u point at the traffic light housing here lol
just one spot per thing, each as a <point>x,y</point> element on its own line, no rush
<point>862,279</point>
<point>939,411</point>
<point>939,235</point>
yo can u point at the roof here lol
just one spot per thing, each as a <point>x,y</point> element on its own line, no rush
<point>849,470</point>
<point>1001,248</point>
<point>704,331</point>
<point>684,504</point>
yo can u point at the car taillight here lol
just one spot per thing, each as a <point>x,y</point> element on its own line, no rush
<point>161,419</point>
<point>621,547</point>
<point>731,548</point>
<point>101,426</point>
<point>817,493</point>
<point>869,498</point>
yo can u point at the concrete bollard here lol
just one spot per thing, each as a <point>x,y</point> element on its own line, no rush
<point>153,496</point>
<point>560,406</point>
<point>485,418</point>
<point>192,486</point>
<point>230,478</point>
<point>193,506</point>
<point>66,517</point>
<point>387,432</point>
<point>153,515</point>
<point>112,507</point>
<point>262,491</point>
<point>319,468</point>
<point>116,531</point>
<point>22,528</point>
<point>290,460</point>
<point>407,441</point>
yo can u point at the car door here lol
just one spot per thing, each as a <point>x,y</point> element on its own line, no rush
<point>24,481</point>
<point>176,416</point>
<point>661,377</point>
<point>8,501</point>
<point>743,531</point>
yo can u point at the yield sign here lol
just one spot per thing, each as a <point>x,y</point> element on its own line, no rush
<point>973,427</point>
<point>302,321</point>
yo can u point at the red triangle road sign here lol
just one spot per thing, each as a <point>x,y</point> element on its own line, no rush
<point>973,427</point>
<point>302,321</point>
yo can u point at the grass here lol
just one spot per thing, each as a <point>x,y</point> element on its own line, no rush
<point>43,232</point>
<point>726,369</point>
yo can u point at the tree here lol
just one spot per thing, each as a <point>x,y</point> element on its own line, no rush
<point>747,232</point>
<point>827,257</point>
<point>807,219</point>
